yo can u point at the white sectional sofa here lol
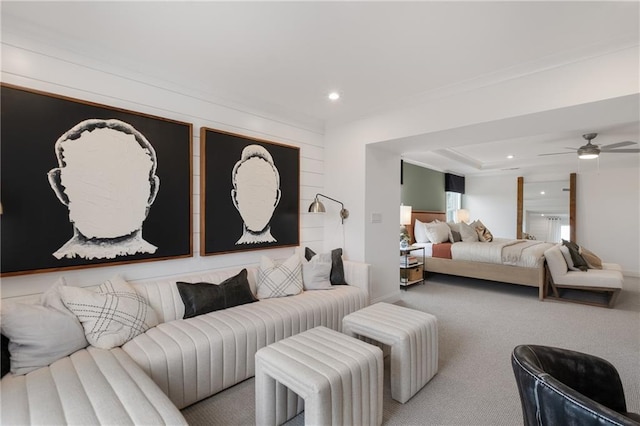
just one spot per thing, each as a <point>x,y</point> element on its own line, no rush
<point>187,360</point>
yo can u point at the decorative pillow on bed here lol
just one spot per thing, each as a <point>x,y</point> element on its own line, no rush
<point>201,298</point>
<point>438,232</point>
<point>455,232</point>
<point>578,260</point>
<point>280,280</point>
<point>468,233</point>
<point>420,232</point>
<point>593,261</point>
<point>337,267</point>
<point>112,315</point>
<point>484,235</point>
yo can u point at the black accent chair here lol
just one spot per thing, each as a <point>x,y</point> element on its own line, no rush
<point>563,387</point>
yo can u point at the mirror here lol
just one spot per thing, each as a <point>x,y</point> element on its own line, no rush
<point>546,210</point>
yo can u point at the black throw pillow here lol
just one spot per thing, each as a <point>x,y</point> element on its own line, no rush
<point>577,259</point>
<point>5,356</point>
<point>201,298</point>
<point>337,267</point>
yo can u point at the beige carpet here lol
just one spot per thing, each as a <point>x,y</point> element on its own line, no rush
<point>480,323</point>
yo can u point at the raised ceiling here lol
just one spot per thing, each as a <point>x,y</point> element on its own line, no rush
<point>285,57</point>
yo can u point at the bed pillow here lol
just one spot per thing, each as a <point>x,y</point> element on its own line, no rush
<point>455,232</point>
<point>574,250</point>
<point>5,356</point>
<point>112,315</point>
<point>468,233</point>
<point>593,261</point>
<point>316,273</point>
<point>420,232</point>
<point>202,297</point>
<point>337,266</point>
<point>438,232</point>
<point>484,235</point>
<point>279,280</point>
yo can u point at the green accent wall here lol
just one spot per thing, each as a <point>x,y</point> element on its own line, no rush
<point>422,188</point>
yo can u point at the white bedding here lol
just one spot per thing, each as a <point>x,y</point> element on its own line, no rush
<point>428,250</point>
<point>525,253</point>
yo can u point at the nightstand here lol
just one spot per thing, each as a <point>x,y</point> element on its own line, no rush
<point>411,267</point>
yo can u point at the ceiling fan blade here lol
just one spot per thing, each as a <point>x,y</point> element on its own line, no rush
<point>616,145</point>
<point>556,153</point>
<point>623,151</point>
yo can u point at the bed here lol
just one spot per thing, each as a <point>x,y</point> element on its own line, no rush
<point>527,272</point>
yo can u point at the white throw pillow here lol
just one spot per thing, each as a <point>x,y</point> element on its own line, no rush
<point>112,315</point>
<point>438,232</point>
<point>468,233</point>
<point>39,335</point>
<point>420,232</point>
<point>316,273</point>
<point>280,280</point>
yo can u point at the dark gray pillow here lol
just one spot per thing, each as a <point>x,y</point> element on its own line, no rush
<point>5,356</point>
<point>201,298</point>
<point>574,250</point>
<point>337,267</point>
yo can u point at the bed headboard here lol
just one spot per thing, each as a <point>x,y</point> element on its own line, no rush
<point>424,216</point>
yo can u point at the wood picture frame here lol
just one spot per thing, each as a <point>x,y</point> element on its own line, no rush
<point>249,193</point>
<point>78,191</point>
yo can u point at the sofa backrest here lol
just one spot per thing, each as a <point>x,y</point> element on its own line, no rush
<point>163,296</point>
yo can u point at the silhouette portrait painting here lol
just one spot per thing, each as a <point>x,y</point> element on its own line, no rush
<point>106,176</point>
<point>256,193</point>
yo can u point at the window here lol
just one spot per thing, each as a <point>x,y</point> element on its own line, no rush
<point>453,203</point>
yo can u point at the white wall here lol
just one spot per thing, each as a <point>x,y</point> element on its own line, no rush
<point>607,212</point>
<point>34,64</point>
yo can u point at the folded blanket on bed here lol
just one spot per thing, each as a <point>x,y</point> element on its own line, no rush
<point>525,253</point>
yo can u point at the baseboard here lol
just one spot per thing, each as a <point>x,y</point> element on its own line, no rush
<point>634,274</point>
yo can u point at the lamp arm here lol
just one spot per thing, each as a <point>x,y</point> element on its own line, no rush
<point>332,199</point>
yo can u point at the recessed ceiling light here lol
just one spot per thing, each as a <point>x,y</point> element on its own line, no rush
<point>334,96</point>
<point>509,156</point>
<point>541,192</point>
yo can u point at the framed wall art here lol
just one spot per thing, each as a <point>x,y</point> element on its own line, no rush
<point>85,184</point>
<point>250,193</point>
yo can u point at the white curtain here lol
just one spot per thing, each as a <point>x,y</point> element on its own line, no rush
<point>553,229</point>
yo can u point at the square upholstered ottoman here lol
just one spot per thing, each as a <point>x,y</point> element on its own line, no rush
<point>412,336</point>
<point>340,379</point>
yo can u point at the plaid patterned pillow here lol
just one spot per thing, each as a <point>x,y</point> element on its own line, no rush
<point>112,315</point>
<point>280,280</point>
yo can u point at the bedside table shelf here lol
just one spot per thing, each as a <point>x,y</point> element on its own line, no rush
<point>411,272</point>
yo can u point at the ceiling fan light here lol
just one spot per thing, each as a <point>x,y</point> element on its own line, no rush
<point>588,152</point>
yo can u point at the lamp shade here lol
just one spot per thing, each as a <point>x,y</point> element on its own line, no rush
<point>405,215</point>
<point>316,206</point>
<point>462,215</point>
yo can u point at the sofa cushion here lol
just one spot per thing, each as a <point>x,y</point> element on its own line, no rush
<point>201,298</point>
<point>194,358</point>
<point>594,278</point>
<point>555,261</point>
<point>578,260</point>
<point>90,387</point>
<point>112,315</point>
<point>279,280</point>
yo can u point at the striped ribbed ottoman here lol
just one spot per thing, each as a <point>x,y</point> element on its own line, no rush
<point>413,337</point>
<point>340,379</point>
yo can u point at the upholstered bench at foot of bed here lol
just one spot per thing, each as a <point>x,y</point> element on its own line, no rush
<point>607,281</point>
<point>90,387</point>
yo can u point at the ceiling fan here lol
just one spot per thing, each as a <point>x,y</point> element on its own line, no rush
<point>591,151</point>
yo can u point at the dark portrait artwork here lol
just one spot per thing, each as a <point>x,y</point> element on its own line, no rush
<point>251,193</point>
<point>85,184</point>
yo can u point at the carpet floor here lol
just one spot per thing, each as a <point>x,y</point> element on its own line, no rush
<point>479,324</point>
